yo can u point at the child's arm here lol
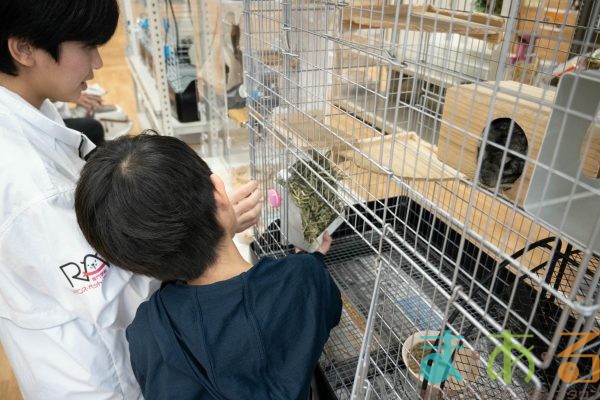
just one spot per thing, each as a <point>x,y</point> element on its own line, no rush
<point>331,297</point>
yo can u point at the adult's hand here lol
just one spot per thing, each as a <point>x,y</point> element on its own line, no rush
<point>247,204</point>
<point>90,102</point>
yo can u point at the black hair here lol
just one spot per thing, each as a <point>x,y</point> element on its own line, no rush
<point>46,24</point>
<point>146,204</point>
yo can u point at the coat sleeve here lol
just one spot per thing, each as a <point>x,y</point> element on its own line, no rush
<point>49,274</point>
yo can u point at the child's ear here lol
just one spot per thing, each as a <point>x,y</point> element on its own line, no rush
<point>220,193</point>
<point>21,51</point>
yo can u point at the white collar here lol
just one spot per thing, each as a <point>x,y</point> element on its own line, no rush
<point>47,120</point>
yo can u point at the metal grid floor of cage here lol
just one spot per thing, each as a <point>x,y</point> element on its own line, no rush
<point>409,302</point>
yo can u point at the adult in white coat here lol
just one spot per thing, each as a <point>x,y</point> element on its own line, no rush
<point>63,310</point>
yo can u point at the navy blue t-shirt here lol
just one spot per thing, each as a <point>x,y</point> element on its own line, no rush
<point>255,336</point>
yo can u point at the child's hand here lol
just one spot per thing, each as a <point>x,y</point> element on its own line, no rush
<point>246,201</point>
<point>325,244</point>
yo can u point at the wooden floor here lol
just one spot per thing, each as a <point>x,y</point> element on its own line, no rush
<point>116,79</point>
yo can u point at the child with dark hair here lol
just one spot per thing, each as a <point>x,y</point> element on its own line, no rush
<point>218,328</point>
<point>63,308</point>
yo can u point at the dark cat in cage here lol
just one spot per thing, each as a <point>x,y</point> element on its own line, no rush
<point>493,170</point>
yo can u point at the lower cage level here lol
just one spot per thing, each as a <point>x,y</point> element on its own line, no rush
<point>409,303</point>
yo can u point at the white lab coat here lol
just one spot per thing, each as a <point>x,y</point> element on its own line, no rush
<point>63,311</point>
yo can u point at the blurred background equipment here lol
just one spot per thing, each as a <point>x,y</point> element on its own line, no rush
<point>176,56</point>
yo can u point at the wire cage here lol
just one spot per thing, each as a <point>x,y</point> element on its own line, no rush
<point>462,141</point>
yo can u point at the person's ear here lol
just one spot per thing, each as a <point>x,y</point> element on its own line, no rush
<point>21,51</point>
<point>221,197</point>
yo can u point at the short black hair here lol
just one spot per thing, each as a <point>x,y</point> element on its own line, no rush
<point>146,204</point>
<point>46,24</point>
